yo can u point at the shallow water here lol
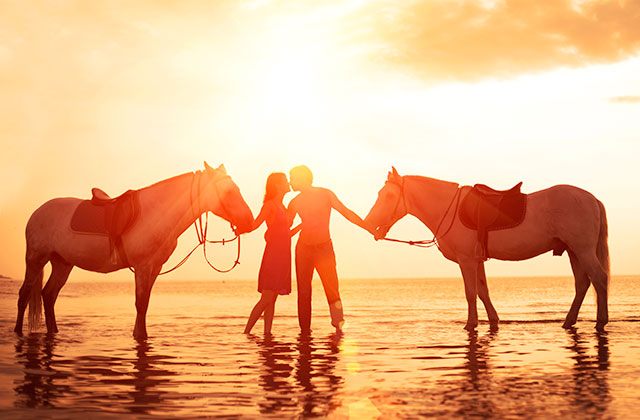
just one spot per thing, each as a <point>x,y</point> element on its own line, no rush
<point>403,353</point>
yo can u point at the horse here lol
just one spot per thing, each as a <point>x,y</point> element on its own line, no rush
<point>165,210</point>
<point>562,217</point>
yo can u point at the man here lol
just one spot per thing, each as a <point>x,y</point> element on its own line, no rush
<point>314,250</point>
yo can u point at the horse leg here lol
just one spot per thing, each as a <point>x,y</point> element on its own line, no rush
<point>600,280</point>
<point>483,294</point>
<point>60,270</point>
<point>582,285</point>
<point>32,280</point>
<point>145,278</point>
<point>470,275</point>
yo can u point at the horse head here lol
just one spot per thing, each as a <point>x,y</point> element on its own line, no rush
<point>389,207</point>
<point>221,196</point>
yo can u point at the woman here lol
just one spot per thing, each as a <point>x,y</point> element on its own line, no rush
<point>275,271</point>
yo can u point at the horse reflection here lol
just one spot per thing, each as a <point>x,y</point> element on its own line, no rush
<point>590,372</point>
<point>471,392</point>
<point>41,386</point>
<point>45,380</point>
<point>147,380</point>
<point>300,378</point>
<point>478,379</point>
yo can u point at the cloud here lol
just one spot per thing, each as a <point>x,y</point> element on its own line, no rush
<point>625,99</point>
<point>469,40</point>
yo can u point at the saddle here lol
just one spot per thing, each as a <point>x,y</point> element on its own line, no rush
<point>112,217</point>
<point>484,209</point>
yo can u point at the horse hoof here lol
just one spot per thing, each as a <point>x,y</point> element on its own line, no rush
<point>600,326</point>
<point>568,325</point>
<point>493,326</point>
<point>470,327</point>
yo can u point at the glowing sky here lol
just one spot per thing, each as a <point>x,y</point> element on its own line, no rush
<point>123,94</point>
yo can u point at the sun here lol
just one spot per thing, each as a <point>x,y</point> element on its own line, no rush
<point>289,95</point>
<point>289,76</point>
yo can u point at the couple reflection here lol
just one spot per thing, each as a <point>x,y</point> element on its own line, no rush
<point>300,378</point>
<point>590,392</point>
<point>51,380</point>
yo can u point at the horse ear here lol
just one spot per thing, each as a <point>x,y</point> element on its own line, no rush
<point>395,173</point>
<point>222,169</point>
<point>207,167</point>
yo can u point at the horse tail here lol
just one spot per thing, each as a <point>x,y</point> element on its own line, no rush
<point>35,302</point>
<point>602,249</point>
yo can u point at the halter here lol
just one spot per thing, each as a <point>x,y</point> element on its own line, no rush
<point>425,243</point>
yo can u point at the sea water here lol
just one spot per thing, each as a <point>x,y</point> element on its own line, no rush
<point>403,353</point>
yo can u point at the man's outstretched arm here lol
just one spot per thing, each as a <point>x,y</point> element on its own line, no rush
<point>347,213</point>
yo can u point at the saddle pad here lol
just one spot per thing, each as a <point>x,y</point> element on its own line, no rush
<point>478,211</point>
<point>89,218</point>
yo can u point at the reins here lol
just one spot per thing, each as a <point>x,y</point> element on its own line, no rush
<point>201,232</point>
<point>428,243</point>
<point>202,238</point>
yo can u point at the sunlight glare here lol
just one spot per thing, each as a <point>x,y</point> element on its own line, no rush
<point>290,89</point>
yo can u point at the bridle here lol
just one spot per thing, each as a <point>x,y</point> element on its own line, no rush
<point>425,243</point>
<point>225,212</point>
<point>401,198</point>
<point>202,228</point>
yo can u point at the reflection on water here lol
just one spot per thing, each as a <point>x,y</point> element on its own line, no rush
<point>52,381</point>
<point>405,360</point>
<point>147,379</point>
<point>276,374</point>
<point>299,377</point>
<point>480,394</point>
<point>295,379</point>
<point>40,386</point>
<point>477,383</point>
<point>306,378</point>
<point>590,382</point>
<point>315,374</point>
<point>501,375</point>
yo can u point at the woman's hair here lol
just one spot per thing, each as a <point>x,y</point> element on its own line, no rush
<point>274,180</point>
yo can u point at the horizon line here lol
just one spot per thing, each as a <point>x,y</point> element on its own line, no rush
<point>122,280</point>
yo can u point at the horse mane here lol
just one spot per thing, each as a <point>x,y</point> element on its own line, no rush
<point>168,180</point>
<point>433,180</point>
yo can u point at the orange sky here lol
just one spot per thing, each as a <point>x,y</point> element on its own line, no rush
<point>121,95</point>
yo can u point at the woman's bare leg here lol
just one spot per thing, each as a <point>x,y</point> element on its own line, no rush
<point>268,313</point>
<point>258,309</point>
